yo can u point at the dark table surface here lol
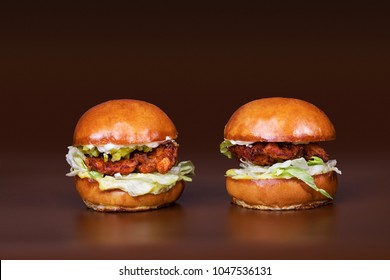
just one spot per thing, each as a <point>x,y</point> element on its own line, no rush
<point>42,217</point>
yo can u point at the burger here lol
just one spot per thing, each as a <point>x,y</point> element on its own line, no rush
<point>283,166</point>
<point>124,157</point>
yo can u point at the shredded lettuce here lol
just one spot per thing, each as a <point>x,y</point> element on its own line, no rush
<point>134,183</point>
<point>297,168</point>
<point>224,148</point>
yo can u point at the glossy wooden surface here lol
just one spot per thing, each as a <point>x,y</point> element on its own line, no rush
<point>43,218</point>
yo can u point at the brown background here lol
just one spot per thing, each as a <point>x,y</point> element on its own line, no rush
<point>199,64</point>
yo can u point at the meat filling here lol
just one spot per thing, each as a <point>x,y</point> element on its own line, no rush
<point>160,159</point>
<point>264,153</point>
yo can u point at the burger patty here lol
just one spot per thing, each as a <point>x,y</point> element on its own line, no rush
<point>160,159</point>
<point>264,153</point>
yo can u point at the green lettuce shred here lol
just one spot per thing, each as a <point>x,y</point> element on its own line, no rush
<point>224,148</point>
<point>297,168</point>
<point>134,183</point>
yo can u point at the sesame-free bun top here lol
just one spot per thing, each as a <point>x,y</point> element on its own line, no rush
<point>123,122</point>
<point>278,119</point>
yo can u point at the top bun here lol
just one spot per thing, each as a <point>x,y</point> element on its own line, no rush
<point>279,119</point>
<point>123,122</point>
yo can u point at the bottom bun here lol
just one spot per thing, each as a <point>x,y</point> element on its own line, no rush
<point>120,201</point>
<point>281,194</point>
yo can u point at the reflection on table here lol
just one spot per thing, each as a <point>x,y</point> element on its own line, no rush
<point>151,227</point>
<point>278,227</point>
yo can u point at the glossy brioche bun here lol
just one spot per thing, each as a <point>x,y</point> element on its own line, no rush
<point>279,119</point>
<point>281,194</point>
<point>117,200</point>
<point>122,122</point>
